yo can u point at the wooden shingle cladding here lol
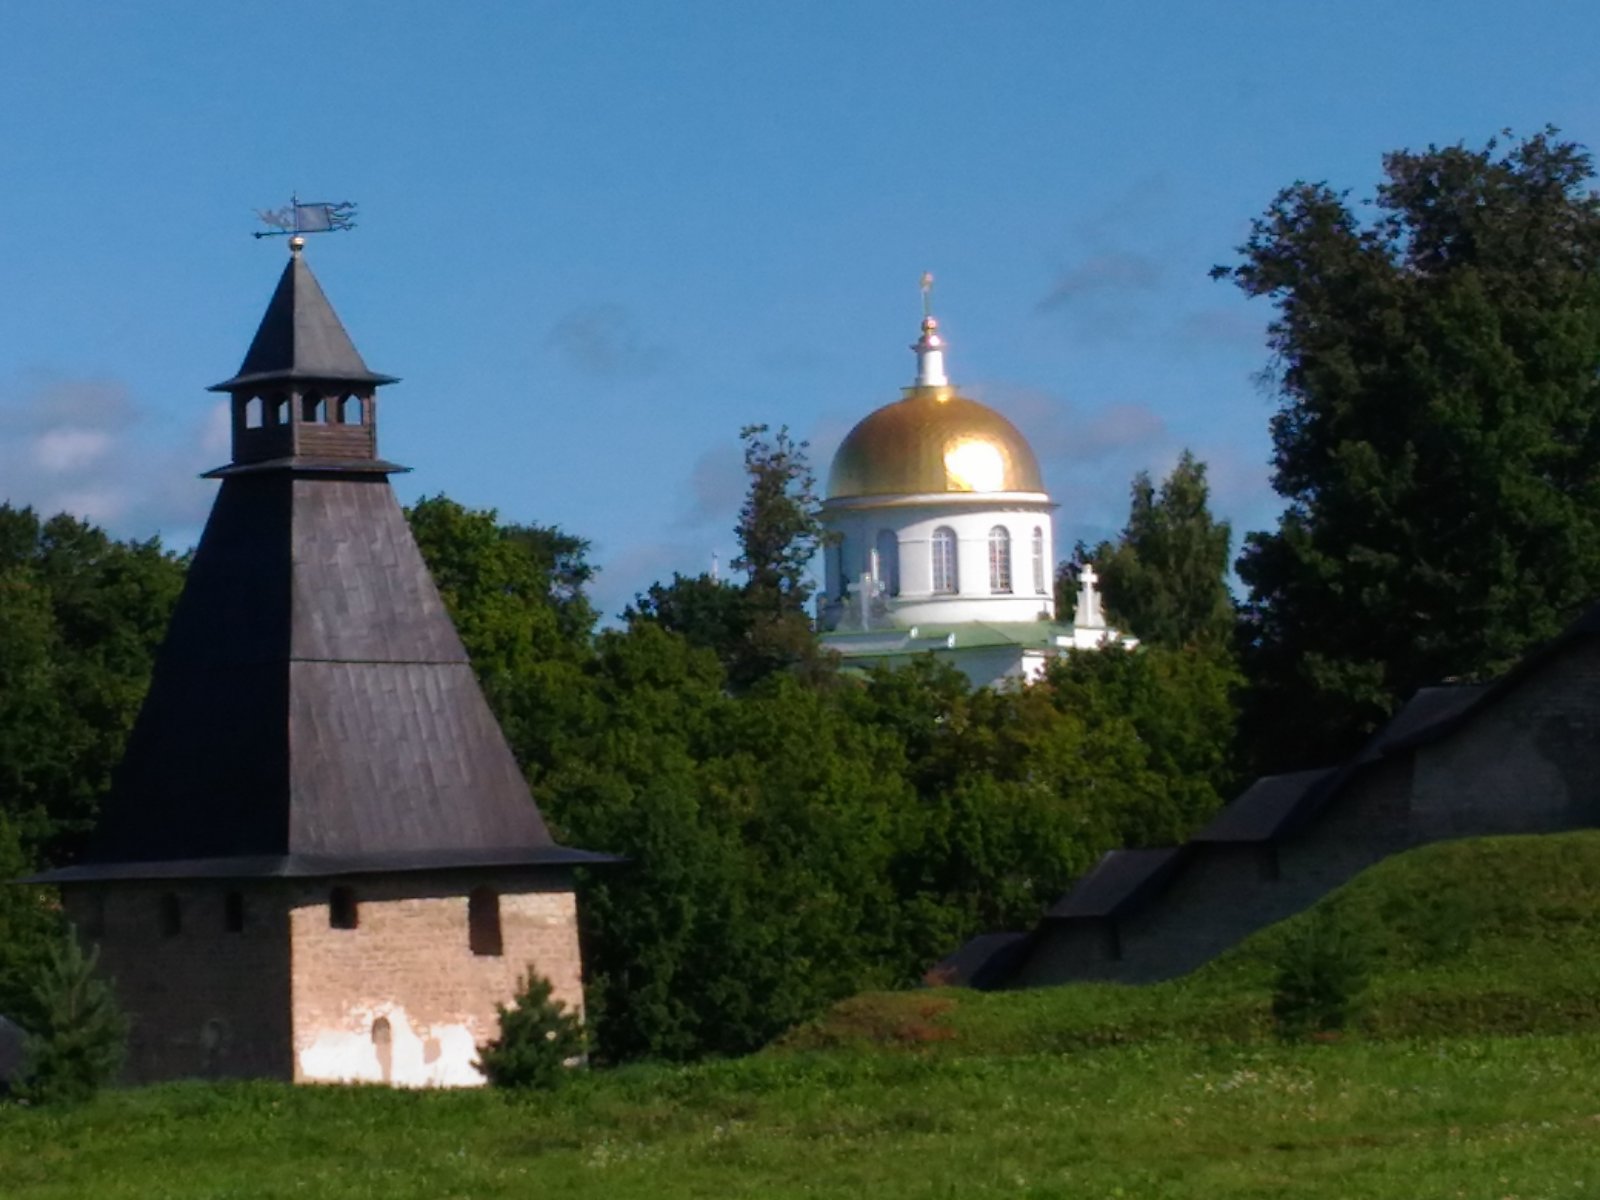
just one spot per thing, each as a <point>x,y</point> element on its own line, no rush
<point>313,701</point>
<point>300,338</point>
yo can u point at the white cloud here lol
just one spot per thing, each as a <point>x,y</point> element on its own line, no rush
<point>86,447</point>
<point>67,449</point>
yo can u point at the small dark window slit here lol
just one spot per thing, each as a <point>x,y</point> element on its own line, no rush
<point>483,922</point>
<point>342,909</point>
<point>171,915</point>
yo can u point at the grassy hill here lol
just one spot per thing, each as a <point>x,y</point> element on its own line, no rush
<point>1473,1076</point>
<point>1489,936</point>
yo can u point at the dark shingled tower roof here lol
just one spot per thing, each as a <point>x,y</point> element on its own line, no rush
<point>312,711</point>
<point>300,338</point>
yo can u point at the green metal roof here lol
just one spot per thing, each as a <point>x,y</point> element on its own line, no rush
<point>969,635</point>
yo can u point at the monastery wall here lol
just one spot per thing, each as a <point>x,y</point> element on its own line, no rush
<point>1528,763</point>
<point>403,998</point>
<point>1227,891</point>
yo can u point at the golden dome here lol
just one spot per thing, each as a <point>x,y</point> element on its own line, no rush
<point>934,440</point>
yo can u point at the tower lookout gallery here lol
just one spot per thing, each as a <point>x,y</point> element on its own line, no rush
<point>319,859</point>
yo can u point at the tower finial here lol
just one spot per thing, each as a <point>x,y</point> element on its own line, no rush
<point>930,346</point>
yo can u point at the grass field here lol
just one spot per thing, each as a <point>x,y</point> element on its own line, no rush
<point>1472,1117</point>
<point>1477,1074</point>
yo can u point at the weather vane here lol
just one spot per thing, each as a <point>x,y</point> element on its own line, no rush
<point>927,292</point>
<point>296,218</point>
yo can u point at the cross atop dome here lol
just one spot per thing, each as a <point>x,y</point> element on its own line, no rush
<point>929,347</point>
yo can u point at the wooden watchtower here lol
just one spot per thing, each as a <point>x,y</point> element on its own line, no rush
<point>319,859</point>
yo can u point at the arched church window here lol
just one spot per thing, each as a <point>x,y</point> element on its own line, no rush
<point>887,566</point>
<point>999,559</point>
<point>843,550</point>
<point>483,922</point>
<point>350,410</point>
<point>254,412</point>
<point>1038,559</point>
<point>943,546</point>
<point>343,912</point>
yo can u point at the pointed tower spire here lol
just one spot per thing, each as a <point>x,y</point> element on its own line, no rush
<point>303,392</point>
<point>930,346</point>
<point>312,709</point>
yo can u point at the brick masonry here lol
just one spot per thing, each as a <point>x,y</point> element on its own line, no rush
<point>401,998</point>
<point>201,1001</point>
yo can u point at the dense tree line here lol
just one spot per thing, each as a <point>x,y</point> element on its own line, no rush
<point>796,833</point>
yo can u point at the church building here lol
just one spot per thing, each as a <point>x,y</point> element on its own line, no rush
<point>942,540</point>
<point>319,860</point>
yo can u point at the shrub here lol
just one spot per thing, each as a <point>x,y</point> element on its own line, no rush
<point>538,1039</point>
<point>1319,975</point>
<point>76,1035</point>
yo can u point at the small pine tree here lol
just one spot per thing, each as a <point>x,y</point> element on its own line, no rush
<point>76,1035</point>
<point>1321,973</point>
<point>538,1038</point>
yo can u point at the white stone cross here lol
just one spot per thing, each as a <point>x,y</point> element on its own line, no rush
<point>1088,614</point>
<point>862,594</point>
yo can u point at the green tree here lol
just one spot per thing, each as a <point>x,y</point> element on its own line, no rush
<point>712,614</point>
<point>1320,974</point>
<point>75,1034</point>
<point>780,531</point>
<point>1436,441</point>
<point>780,527</point>
<point>1165,579</point>
<point>80,618</point>
<point>763,626</point>
<point>1176,709</point>
<point>538,1039</point>
<point>31,924</point>
<point>757,828</point>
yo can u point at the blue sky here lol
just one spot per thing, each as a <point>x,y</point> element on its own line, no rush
<point>597,238</point>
